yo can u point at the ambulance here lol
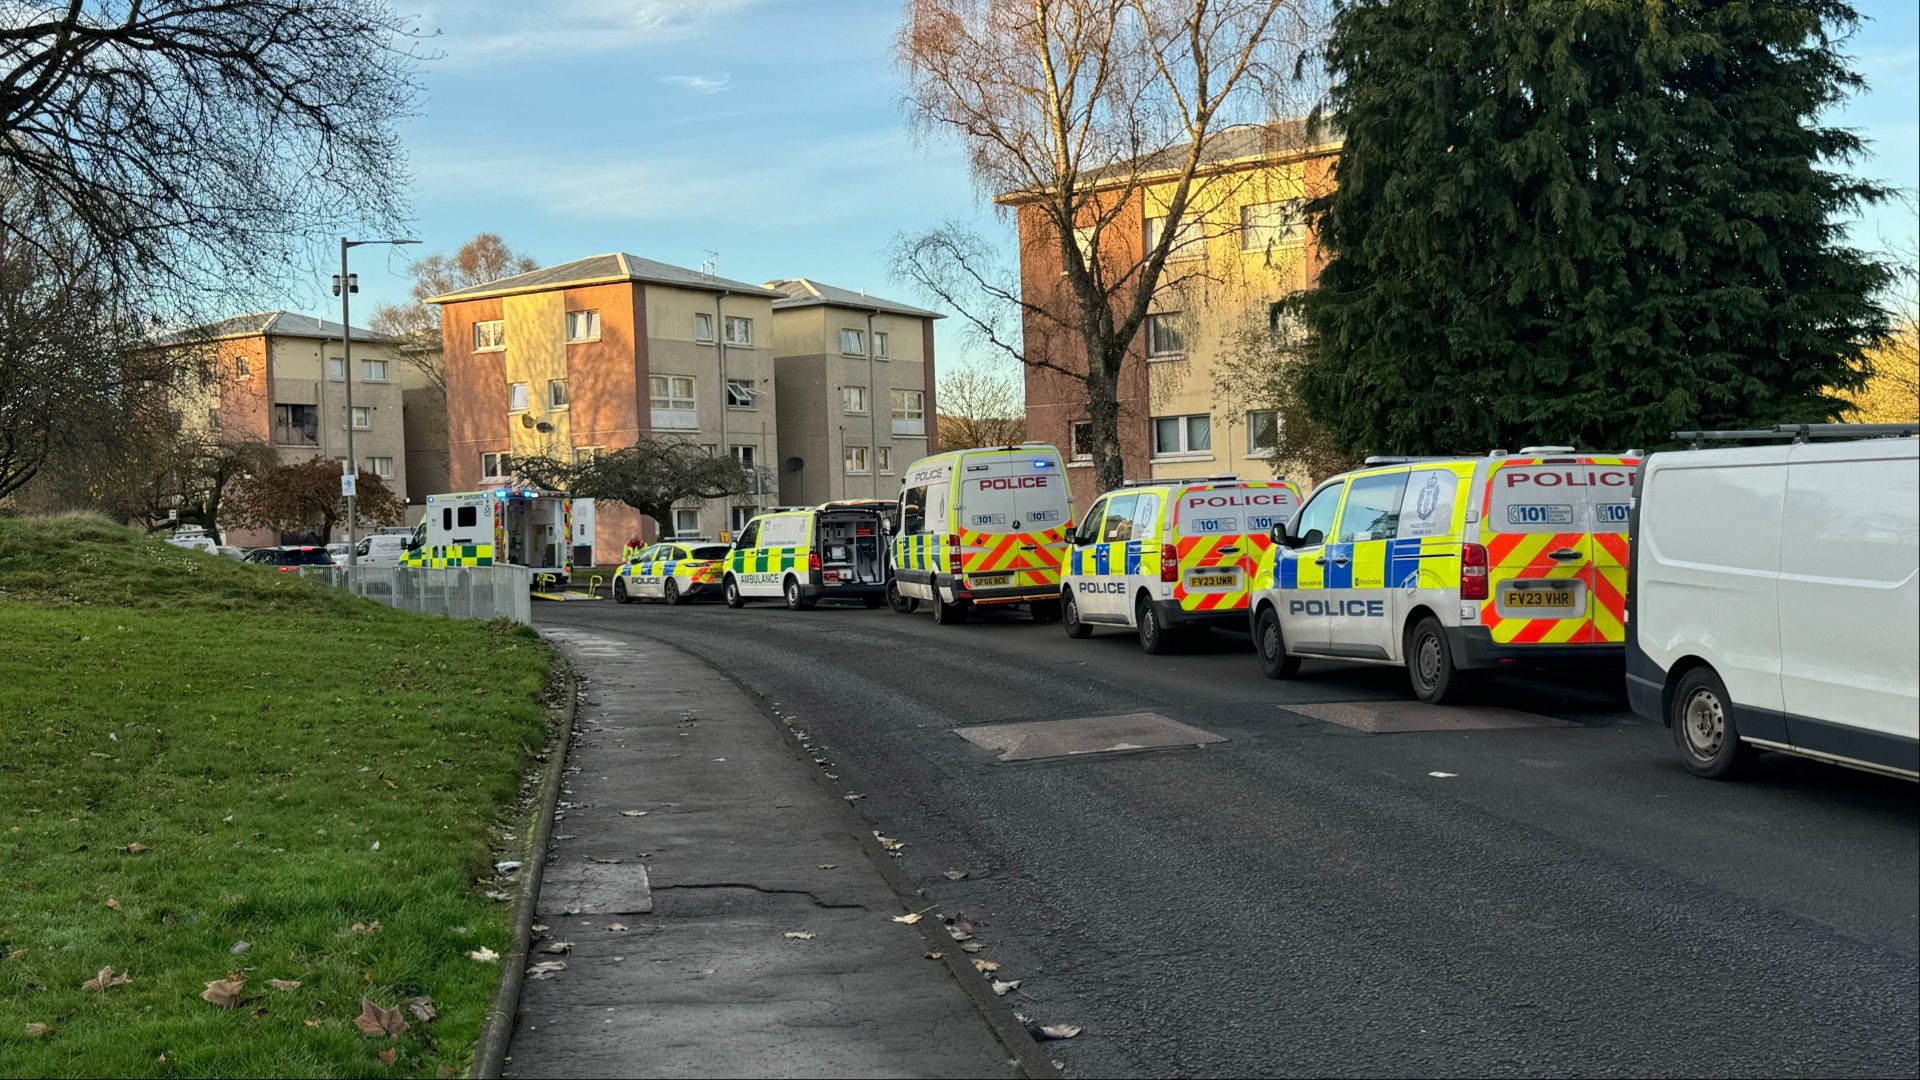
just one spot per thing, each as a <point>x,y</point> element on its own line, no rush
<point>802,555</point>
<point>675,572</point>
<point>502,526</point>
<point>979,527</point>
<point>1171,558</point>
<point>1453,567</point>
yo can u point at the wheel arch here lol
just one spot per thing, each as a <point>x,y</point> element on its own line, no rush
<point>1675,673</point>
<point>1414,615</point>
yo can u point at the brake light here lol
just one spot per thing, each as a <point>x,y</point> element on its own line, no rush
<point>813,560</point>
<point>953,555</point>
<point>1473,572</point>
<point>1169,563</point>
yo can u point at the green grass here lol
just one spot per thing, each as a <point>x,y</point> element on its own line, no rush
<point>258,735</point>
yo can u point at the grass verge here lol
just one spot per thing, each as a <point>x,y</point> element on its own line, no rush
<point>196,752</point>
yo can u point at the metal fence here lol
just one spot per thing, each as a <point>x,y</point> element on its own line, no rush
<point>463,592</point>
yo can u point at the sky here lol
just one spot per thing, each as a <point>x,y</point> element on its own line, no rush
<point>768,134</point>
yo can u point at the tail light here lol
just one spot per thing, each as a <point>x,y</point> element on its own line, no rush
<point>1169,563</point>
<point>953,555</point>
<point>813,560</point>
<point>1473,572</point>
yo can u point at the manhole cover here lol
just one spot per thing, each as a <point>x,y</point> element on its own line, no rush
<point>1086,735</point>
<point>1394,717</point>
<point>590,888</point>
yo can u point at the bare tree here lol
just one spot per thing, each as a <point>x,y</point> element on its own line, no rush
<point>1075,113</point>
<point>199,145</point>
<point>980,408</point>
<point>416,324</point>
<point>1260,364</point>
<point>653,476</point>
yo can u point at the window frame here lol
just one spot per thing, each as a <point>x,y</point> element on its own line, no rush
<point>499,334</point>
<point>1165,324</point>
<point>501,460</point>
<point>880,346</point>
<point>746,341</point>
<point>688,412</point>
<point>1183,247</point>
<point>373,466</point>
<point>677,511</point>
<point>519,397</point>
<point>859,338</point>
<point>336,364</point>
<point>1074,452</point>
<point>853,400</point>
<point>699,318</point>
<point>359,413</point>
<point>592,317</point>
<point>1185,428</point>
<point>747,394</point>
<point>1253,448</point>
<point>883,460</point>
<point>1292,232</point>
<point>557,394</point>
<point>909,412</point>
<point>366,367</point>
<point>852,452</point>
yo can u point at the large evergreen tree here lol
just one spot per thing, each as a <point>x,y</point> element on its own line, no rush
<point>1593,221</point>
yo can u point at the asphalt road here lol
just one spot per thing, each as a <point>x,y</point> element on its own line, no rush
<point>1308,899</point>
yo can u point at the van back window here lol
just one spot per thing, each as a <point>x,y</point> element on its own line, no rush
<point>1560,498</point>
<point>1230,511</point>
<point>1013,493</point>
<point>710,551</point>
<point>469,517</point>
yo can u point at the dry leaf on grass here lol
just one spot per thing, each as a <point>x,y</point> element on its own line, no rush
<point>985,965</point>
<point>284,984</point>
<point>389,1055</point>
<point>422,1008</point>
<point>114,904</point>
<point>313,1021</point>
<point>1059,1031</point>
<point>484,955</point>
<point>365,928</point>
<point>375,1020</point>
<point>37,1030</point>
<point>105,979</point>
<point>225,992</point>
<point>799,935</point>
<point>240,947</point>
<point>546,969</point>
<point>134,848</point>
<point>910,918</point>
<point>1002,989</point>
<point>956,875</point>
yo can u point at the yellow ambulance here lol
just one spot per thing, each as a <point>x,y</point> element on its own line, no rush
<point>982,527</point>
<point>1171,558</point>
<point>802,555</point>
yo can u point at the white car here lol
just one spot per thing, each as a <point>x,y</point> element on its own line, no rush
<point>1774,604</point>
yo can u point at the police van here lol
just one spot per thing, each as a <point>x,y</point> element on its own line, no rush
<point>1452,567</point>
<point>501,526</point>
<point>1171,557</point>
<point>834,551</point>
<point>677,571</point>
<point>979,527</point>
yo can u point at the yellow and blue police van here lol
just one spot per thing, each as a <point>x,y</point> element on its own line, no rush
<point>982,527</point>
<point>675,572</point>
<point>1453,567</point>
<point>497,527</point>
<point>802,555</point>
<point>1167,559</point>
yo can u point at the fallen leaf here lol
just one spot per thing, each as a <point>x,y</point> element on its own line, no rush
<point>933,955</point>
<point>889,843</point>
<point>225,992</point>
<point>634,813</point>
<point>958,934</point>
<point>364,928</point>
<point>135,848</point>
<point>956,875</point>
<point>284,984</point>
<point>616,926</point>
<point>105,979</point>
<point>541,928</point>
<point>313,1021</point>
<point>973,946</point>
<point>799,935</point>
<point>1059,1031</point>
<point>240,947</point>
<point>829,866</point>
<point>114,904</point>
<point>422,1008</point>
<point>605,862</point>
<point>910,918</point>
<point>853,796</point>
<point>985,965</point>
<point>557,948</point>
<point>1002,989</point>
<point>1444,775</point>
<point>484,955</point>
<point>388,1056</point>
<point>375,1020</point>
<point>37,1030</point>
<point>546,969</point>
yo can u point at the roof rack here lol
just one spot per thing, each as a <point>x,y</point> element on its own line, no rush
<point>1402,459</point>
<point>1800,433</point>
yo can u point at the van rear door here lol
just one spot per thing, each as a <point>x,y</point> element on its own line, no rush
<point>1012,515</point>
<point>1220,532</point>
<point>1551,582</point>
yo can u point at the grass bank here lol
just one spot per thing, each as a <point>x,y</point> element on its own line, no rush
<point>196,752</point>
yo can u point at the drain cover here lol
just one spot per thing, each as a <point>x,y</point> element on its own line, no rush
<point>1394,717</point>
<point>1086,735</point>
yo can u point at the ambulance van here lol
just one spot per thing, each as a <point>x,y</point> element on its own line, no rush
<point>802,555</point>
<point>1171,558</point>
<point>982,527</point>
<point>1453,567</point>
<point>502,526</point>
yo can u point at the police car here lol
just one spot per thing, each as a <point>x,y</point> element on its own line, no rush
<point>1171,557</point>
<point>1452,567</point>
<point>675,572</point>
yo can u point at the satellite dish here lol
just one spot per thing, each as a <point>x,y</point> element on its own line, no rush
<point>794,464</point>
<point>543,427</point>
<point>526,420</point>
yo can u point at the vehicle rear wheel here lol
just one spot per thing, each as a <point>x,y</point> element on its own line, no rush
<point>796,600</point>
<point>901,603</point>
<point>620,595</point>
<point>670,592</point>
<point>1430,667</point>
<point>1154,638</point>
<point>1272,644</point>
<point>1071,618</point>
<point>1701,715</point>
<point>948,614</point>
<point>732,592</point>
<point>871,602</point>
<point>1045,610</point>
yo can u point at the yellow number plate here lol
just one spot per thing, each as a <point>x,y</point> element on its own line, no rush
<point>990,581</point>
<point>1211,581</point>
<point>1547,598</point>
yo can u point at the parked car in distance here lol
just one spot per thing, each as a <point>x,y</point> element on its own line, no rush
<point>1774,604</point>
<point>193,540</point>
<point>231,552</point>
<point>381,549</point>
<point>289,559</point>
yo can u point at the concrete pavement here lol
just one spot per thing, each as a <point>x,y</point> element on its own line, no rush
<point>694,851</point>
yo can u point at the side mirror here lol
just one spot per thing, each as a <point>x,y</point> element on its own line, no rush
<point>1284,537</point>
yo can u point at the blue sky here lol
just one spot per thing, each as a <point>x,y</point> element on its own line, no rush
<point>770,131</point>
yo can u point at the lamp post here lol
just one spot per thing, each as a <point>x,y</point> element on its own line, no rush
<point>344,286</point>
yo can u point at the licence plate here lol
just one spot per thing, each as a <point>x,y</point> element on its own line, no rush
<point>1541,598</point>
<point>1212,581</point>
<point>990,581</point>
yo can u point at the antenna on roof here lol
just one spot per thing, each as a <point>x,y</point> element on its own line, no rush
<point>712,266</point>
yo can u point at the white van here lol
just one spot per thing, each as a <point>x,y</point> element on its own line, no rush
<point>1774,603</point>
<point>381,549</point>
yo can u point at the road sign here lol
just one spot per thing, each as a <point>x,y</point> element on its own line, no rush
<point>347,482</point>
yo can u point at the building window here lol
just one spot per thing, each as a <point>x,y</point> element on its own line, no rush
<point>851,344</point>
<point>1188,243</point>
<point>362,417</point>
<point>740,393</point>
<point>744,455</point>
<point>909,412</point>
<point>496,466</point>
<point>1164,337</point>
<point>556,393</point>
<point>517,397</point>
<point>584,454</point>
<point>1263,431</point>
<point>373,371</point>
<point>742,516</point>
<point>673,403</point>
<point>489,336</point>
<point>336,368</point>
<point>880,345</point>
<point>1182,435</point>
<point>296,425</point>
<point>1265,225</point>
<point>242,368</point>
<point>686,522</point>
<point>213,419</point>
<point>739,330</point>
<point>856,459</point>
<point>703,328</point>
<point>381,467</point>
<point>885,454</point>
<point>583,326</point>
<point>1082,441</point>
<point>853,399</point>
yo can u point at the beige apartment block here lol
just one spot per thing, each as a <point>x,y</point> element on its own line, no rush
<point>855,375</point>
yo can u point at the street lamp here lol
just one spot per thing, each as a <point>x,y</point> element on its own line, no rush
<point>344,286</point>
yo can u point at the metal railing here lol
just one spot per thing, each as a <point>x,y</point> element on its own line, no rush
<point>460,592</point>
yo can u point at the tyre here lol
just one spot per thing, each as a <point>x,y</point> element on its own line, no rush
<point>1070,618</point>
<point>901,603</point>
<point>947,614</point>
<point>620,595</point>
<point>1701,715</point>
<point>871,602</point>
<point>796,599</point>
<point>1430,667</point>
<point>1271,643</point>
<point>1155,640</point>
<point>670,592</point>
<point>732,593</point>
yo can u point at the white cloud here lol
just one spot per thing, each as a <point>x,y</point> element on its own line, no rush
<point>490,30</point>
<point>700,84</point>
